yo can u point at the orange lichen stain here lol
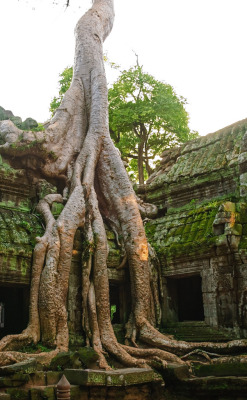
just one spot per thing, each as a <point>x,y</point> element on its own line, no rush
<point>232,220</point>
<point>143,251</point>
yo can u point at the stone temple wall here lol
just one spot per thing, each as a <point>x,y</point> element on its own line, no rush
<point>200,236</point>
<point>201,231</point>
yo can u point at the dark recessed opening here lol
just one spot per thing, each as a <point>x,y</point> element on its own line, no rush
<point>120,302</point>
<point>14,310</point>
<point>189,296</point>
<point>115,304</point>
<point>219,229</point>
<point>162,212</point>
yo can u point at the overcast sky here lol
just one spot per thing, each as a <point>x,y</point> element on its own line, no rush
<point>197,46</point>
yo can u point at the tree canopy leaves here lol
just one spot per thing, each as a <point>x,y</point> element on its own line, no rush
<point>146,117</point>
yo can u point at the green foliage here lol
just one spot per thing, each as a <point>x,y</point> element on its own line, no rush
<point>113,310</point>
<point>146,117</point>
<point>38,128</point>
<point>64,84</point>
<point>35,348</point>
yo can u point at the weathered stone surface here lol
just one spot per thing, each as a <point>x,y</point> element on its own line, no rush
<point>224,369</point>
<point>27,367</point>
<point>65,360</point>
<point>40,378</point>
<point>88,357</point>
<point>120,377</point>
<point>18,227</point>
<point>53,377</point>
<point>200,169</point>
<point>14,380</point>
<point>40,393</point>
<point>197,331</point>
<point>175,372</point>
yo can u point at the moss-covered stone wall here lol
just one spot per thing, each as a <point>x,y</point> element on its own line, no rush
<point>200,191</point>
<point>204,168</point>
<point>19,226</point>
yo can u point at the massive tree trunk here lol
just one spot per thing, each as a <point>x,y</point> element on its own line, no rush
<point>76,150</point>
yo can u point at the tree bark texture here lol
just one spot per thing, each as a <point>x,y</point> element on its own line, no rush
<point>77,151</point>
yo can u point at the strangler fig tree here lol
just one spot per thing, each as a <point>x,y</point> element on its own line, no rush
<point>76,152</point>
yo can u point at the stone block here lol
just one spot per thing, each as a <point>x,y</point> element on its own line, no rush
<point>243,184</point>
<point>98,393</point>
<point>120,377</point>
<point>37,379</point>
<point>175,372</point>
<point>223,369</point>
<point>53,377</point>
<point>229,206</point>
<point>236,229</point>
<point>65,360</point>
<point>142,392</point>
<point>79,393</point>
<point>14,380</point>
<point>41,393</point>
<point>88,357</point>
<point>28,367</point>
<point>20,394</point>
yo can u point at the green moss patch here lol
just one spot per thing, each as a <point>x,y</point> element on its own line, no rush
<point>193,230</point>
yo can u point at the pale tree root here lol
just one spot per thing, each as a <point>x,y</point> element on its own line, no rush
<point>13,357</point>
<point>103,336</point>
<point>149,335</point>
<point>207,355</point>
<point>241,359</point>
<point>32,333</point>
<point>55,276</point>
<point>156,355</point>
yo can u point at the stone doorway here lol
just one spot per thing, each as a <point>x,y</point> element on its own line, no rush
<point>190,303</point>
<point>185,299</point>
<point>14,303</point>
<point>119,302</point>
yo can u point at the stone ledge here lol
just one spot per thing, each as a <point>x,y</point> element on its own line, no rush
<point>4,396</point>
<point>28,367</point>
<point>216,385</point>
<point>120,377</point>
<point>233,369</point>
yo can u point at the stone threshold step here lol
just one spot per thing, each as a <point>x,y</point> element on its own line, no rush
<point>119,377</point>
<point>233,369</point>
